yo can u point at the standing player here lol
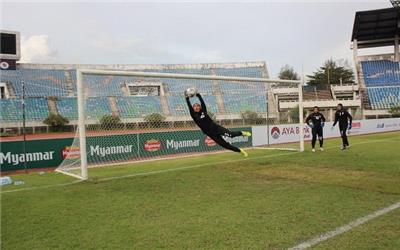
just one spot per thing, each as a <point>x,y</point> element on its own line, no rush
<point>317,124</point>
<point>209,127</point>
<point>345,119</point>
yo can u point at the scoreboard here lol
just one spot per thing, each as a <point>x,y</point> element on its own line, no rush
<point>10,51</point>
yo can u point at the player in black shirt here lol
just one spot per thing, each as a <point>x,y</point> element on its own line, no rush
<point>345,119</point>
<point>209,127</point>
<point>316,121</point>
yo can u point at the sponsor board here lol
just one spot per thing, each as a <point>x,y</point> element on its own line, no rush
<point>152,145</point>
<point>156,144</point>
<point>39,153</point>
<point>111,148</point>
<point>16,159</point>
<point>209,142</point>
<point>277,134</point>
<point>287,133</point>
<point>71,152</point>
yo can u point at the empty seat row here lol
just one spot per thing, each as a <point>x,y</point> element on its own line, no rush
<point>381,73</point>
<point>384,97</point>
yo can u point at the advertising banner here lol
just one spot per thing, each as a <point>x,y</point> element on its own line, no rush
<point>276,134</point>
<point>111,148</point>
<point>39,153</point>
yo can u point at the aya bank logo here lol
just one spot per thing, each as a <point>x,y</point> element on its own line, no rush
<point>275,132</point>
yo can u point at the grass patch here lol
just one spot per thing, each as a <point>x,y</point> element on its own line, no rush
<point>271,200</point>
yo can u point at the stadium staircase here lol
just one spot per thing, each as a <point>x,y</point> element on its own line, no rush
<point>70,84</point>
<point>113,106</point>
<point>164,105</point>
<point>11,90</point>
<point>51,103</point>
<point>365,102</point>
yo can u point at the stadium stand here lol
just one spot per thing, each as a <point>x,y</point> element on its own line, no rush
<point>240,103</point>
<point>138,106</point>
<point>61,83</point>
<point>381,79</point>
<point>384,97</point>
<point>11,109</point>
<point>67,107</point>
<point>381,73</point>
<point>38,83</point>
<point>98,107</point>
<point>245,72</point>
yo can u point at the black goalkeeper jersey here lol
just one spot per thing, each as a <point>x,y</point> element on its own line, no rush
<point>202,119</point>
<point>343,117</point>
<point>316,118</point>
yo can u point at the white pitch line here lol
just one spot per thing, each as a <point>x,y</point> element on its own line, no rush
<point>345,228</point>
<point>41,187</point>
<point>184,168</point>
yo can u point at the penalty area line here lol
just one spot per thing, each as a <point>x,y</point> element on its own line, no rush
<point>343,229</point>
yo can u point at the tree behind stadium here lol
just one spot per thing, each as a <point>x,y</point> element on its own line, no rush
<point>332,72</point>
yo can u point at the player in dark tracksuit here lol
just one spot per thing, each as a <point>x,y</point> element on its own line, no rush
<point>209,127</point>
<point>317,124</point>
<point>345,119</point>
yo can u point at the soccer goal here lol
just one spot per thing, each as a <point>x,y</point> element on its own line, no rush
<point>129,116</point>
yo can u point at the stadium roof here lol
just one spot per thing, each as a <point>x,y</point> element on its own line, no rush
<point>376,28</point>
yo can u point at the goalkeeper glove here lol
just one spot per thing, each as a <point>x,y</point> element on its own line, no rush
<point>349,126</point>
<point>323,124</point>
<point>310,125</point>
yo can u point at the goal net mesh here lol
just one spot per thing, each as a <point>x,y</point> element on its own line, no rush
<point>130,118</point>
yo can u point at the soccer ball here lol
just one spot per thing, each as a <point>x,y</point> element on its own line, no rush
<point>190,92</point>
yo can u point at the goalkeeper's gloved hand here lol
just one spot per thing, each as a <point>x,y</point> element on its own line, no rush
<point>310,125</point>
<point>323,124</point>
<point>349,126</point>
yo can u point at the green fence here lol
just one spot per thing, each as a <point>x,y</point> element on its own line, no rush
<point>103,149</point>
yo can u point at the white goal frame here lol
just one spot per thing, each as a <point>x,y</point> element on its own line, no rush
<point>81,101</point>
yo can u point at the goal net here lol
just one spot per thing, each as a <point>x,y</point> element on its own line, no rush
<point>128,116</point>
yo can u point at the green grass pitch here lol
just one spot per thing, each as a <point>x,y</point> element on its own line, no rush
<point>271,200</point>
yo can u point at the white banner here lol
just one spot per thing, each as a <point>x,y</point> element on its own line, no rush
<point>276,134</point>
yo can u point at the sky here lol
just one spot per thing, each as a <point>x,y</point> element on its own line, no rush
<point>301,34</point>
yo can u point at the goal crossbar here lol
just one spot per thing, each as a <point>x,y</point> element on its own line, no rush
<point>184,76</point>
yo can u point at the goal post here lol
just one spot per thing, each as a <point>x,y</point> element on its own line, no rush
<point>140,127</point>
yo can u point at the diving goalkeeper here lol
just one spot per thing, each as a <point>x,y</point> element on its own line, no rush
<point>209,127</point>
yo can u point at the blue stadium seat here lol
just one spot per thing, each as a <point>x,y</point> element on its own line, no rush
<point>243,72</point>
<point>381,73</point>
<point>11,110</point>
<point>38,82</point>
<point>240,103</point>
<point>97,107</point>
<point>382,79</point>
<point>42,83</point>
<point>68,107</point>
<point>384,97</point>
<point>138,106</point>
<point>36,109</point>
